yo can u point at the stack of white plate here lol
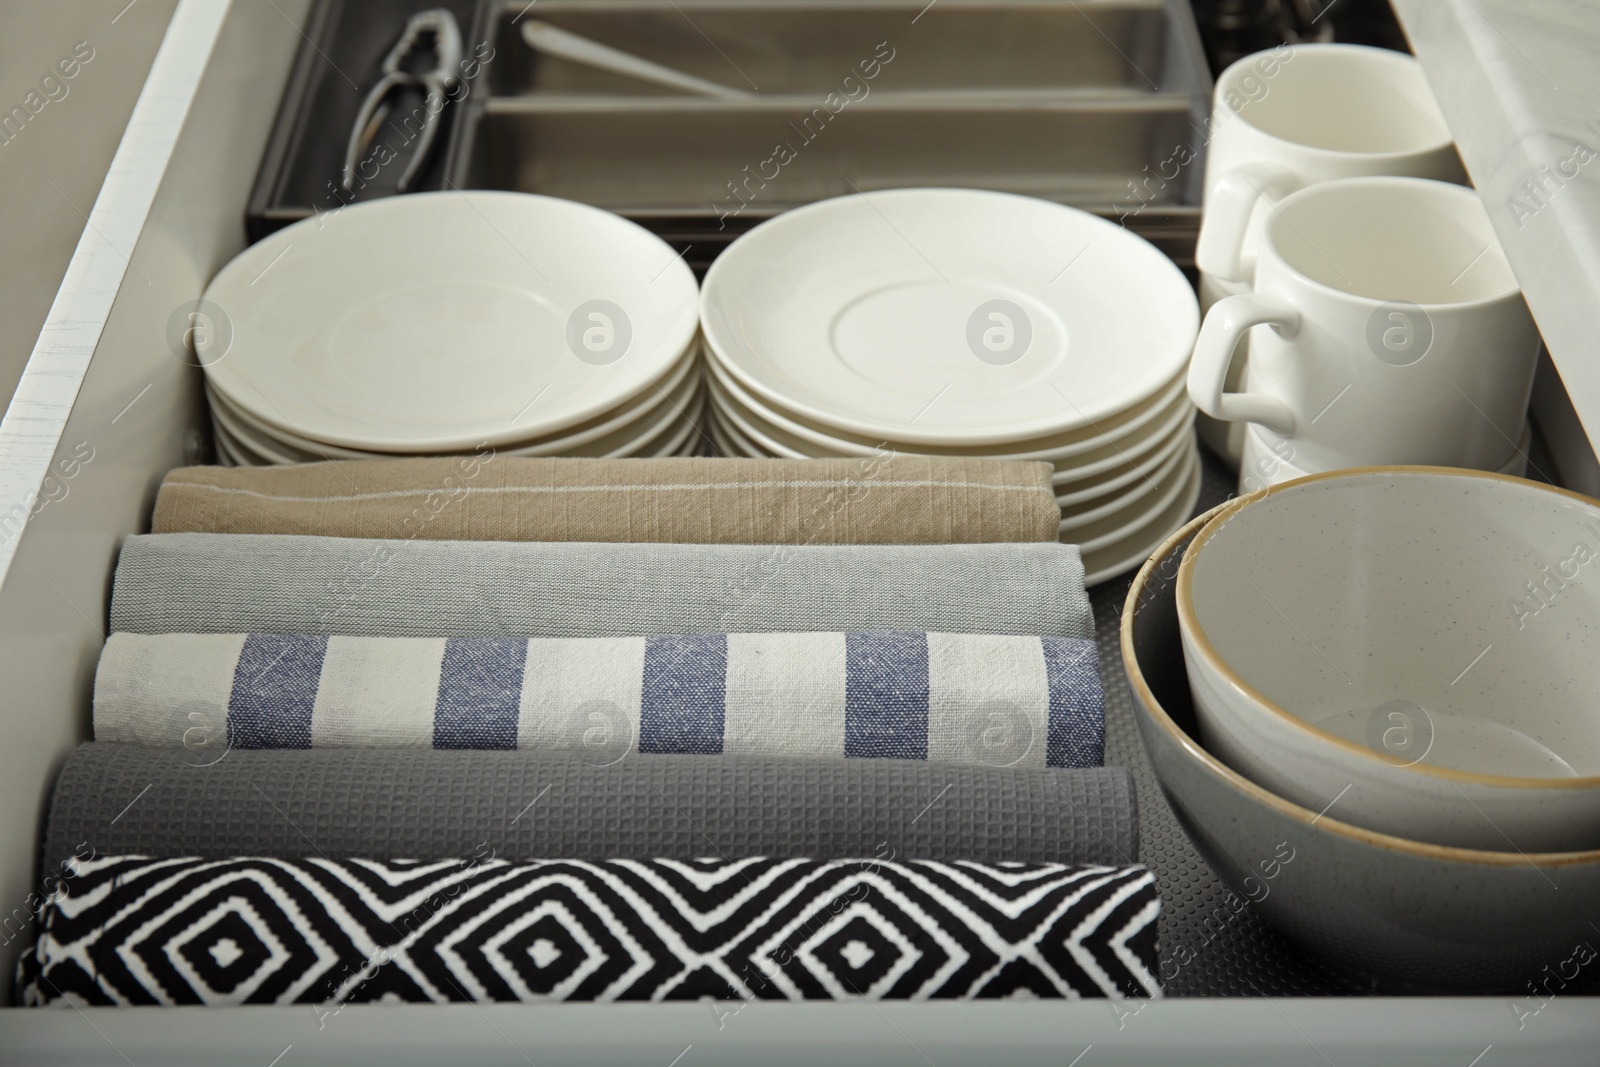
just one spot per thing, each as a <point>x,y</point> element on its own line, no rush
<point>451,322</point>
<point>960,322</point>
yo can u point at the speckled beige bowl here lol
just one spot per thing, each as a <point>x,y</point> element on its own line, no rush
<point>1411,649</point>
<point>1416,914</point>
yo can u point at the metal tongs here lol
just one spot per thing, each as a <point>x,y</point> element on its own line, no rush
<point>437,27</point>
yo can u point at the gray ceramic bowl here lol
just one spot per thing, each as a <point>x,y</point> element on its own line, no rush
<point>1368,642</point>
<point>1417,915</point>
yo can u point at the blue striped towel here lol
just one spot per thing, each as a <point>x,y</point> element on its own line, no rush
<point>954,698</point>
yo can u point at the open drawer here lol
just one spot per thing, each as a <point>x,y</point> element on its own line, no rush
<point>106,408</point>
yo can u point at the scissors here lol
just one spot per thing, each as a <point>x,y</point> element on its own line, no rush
<point>438,27</point>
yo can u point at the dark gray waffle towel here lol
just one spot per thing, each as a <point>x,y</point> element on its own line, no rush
<point>135,799</point>
<point>266,583</point>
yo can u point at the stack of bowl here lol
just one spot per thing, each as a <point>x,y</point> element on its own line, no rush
<point>1389,674</point>
<point>450,322</point>
<point>962,322</point>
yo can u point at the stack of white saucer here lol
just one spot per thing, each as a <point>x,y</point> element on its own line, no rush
<point>960,322</point>
<point>452,322</point>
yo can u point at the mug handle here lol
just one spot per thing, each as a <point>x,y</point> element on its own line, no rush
<point>1225,324</point>
<point>1229,204</point>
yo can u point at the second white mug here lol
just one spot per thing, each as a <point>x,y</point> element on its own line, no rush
<point>1391,330</point>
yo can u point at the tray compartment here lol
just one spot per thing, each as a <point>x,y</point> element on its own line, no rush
<point>710,158</point>
<point>1097,105</point>
<point>783,48</point>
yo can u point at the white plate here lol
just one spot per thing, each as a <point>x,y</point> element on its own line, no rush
<point>227,453</point>
<point>431,322</point>
<point>744,429</point>
<point>719,439</point>
<point>1137,546</point>
<point>1109,532</point>
<point>856,313</point>
<point>1173,468</point>
<point>243,442</point>
<point>262,438</point>
<point>643,418</point>
<point>1104,526</point>
<point>679,420</point>
<point>227,459</point>
<point>682,440</point>
<point>1176,419</point>
<point>678,387</point>
<point>677,437</point>
<point>1108,456</point>
<point>663,418</point>
<point>740,444</point>
<point>1074,493</point>
<point>1124,426</point>
<point>727,444</point>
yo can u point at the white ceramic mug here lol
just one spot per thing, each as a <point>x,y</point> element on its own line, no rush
<point>1286,119</point>
<point>1397,332</point>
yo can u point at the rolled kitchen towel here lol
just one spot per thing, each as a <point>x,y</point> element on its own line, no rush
<point>210,802</point>
<point>133,930</point>
<point>278,583</point>
<point>947,698</point>
<point>887,499</point>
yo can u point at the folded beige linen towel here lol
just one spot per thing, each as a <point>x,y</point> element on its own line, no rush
<point>889,499</point>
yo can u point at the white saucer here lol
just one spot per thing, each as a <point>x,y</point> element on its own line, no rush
<point>437,322</point>
<point>1261,466</point>
<point>1173,470</point>
<point>729,441</point>
<point>720,439</point>
<point>643,425</point>
<point>1074,492</point>
<point>1137,545</point>
<point>642,417</point>
<point>1157,433</point>
<point>228,454</point>
<point>868,313</point>
<point>1111,531</point>
<point>809,439</point>
<point>680,437</point>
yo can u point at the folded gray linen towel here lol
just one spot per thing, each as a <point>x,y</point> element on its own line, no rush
<point>276,583</point>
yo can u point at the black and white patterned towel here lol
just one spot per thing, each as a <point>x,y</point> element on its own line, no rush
<point>130,930</point>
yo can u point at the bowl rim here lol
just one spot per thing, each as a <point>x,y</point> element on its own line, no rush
<point>1323,822</point>
<point>1189,620</point>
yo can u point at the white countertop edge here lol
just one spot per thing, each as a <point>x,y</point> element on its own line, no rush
<point>1519,87</point>
<point>31,430</point>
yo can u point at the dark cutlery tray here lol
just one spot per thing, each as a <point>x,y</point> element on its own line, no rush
<point>1087,105</point>
<point>339,59</point>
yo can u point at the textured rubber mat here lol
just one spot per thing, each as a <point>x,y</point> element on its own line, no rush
<point>1235,954</point>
